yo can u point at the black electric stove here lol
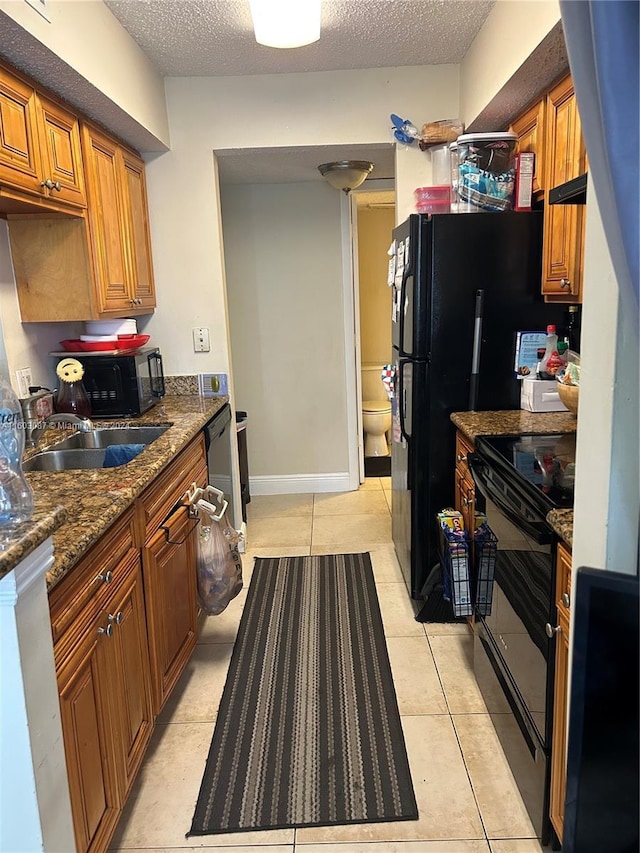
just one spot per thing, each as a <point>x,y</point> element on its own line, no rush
<point>542,466</point>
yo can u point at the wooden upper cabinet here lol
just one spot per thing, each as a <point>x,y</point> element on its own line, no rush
<point>106,220</point>
<point>563,223</point>
<point>138,236</point>
<point>61,153</point>
<point>119,224</point>
<point>94,265</point>
<point>530,130</point>
<point>19,152</point>
<point>40,157</point>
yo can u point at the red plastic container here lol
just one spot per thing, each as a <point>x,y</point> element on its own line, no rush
<point>433,199</point>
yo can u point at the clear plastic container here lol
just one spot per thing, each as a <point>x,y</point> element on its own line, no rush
<point>440,165</point>
<point>16,497</point>
<point>453,175</point>
<point>486,172</point>
<point>433,199</point>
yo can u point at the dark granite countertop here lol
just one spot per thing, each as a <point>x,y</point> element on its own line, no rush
<point>79,506</point>
<point>519,422</point>
<point>561,520</point>
<point>513,422</point>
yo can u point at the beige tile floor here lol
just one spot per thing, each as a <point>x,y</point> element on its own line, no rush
<point>467,799</point>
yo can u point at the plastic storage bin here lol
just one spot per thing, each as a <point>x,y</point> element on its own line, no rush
<point>433,199</point>
<point>453,175</point>
<point>486,172</point>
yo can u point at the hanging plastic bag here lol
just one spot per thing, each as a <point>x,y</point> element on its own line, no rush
<point>219,565</point>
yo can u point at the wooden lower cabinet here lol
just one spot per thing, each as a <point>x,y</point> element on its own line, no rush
<point>170,585</point>
<point>124,624</point>
<point>465,487</point>
<point>103,680</point>
<point>561,690</point>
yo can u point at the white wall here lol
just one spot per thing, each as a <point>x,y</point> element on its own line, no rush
<point>206,114</point>
<point>512,31</point>
<point>87,37</point>
<point>282,246</point>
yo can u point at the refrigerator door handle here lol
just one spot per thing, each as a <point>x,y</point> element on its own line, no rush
<point>402,400</point>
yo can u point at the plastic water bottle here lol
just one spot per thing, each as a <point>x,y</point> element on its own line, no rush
<point>16,497</point>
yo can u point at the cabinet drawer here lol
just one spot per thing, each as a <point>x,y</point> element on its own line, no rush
<point>463,448</point>
<point>90,583</point>
<point>159,499</point>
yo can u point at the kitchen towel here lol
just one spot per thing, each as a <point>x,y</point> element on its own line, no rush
<point>120,454</point>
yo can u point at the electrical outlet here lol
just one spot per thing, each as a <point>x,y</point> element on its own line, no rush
<point>24,381</point>
<point>201,339</point>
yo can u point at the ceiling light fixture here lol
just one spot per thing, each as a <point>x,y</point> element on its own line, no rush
<point>286,23</point>
<point>346,175</point>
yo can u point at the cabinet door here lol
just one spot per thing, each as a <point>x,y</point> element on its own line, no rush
<point>170,592</point>
<point>61,153</point>
<point>529,128</point>
<point>560,693</point>
<point>132,691</point>
<point>19,151</point>
<point>84,686</point>
<point>102,158</point>
<point>139,242</point>
<point>563,223</point>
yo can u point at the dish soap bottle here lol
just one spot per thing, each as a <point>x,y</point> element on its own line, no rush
<point>16,497</point>
<point>551,362</point>
<point>72,397</point>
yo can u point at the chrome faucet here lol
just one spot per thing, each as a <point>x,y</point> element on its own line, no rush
<point>81,424</point>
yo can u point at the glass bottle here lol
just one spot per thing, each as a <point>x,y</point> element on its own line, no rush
<point>72,397</point>
<point>16,497</point>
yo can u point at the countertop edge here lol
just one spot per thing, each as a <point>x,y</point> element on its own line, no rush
<point>88,502</point>
<point>29,535</point>
<point>513,421</point>
<point>561,521</point>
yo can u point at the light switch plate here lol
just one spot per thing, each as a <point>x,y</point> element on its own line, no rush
<point>201,339</point>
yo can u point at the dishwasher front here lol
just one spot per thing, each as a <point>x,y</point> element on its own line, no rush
<point>218,434</point>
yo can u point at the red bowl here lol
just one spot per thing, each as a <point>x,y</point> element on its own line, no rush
<point>88,346</point>
<point>132,341</point>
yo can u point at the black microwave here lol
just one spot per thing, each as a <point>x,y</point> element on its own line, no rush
<point>123,384</point>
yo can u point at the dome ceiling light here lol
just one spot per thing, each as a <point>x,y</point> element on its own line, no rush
<point>286,23</point>
<point>346,175</point>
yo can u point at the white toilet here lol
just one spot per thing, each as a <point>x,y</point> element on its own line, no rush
<point>376,411</point>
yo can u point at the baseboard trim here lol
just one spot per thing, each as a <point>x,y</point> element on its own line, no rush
<point>298,484</point>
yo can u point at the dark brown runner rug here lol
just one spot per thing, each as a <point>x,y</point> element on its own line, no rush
<point>308,731</point>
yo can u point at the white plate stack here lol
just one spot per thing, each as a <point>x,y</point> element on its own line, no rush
<point>111,328</point>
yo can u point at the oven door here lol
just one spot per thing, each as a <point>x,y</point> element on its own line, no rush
<point>522,593</point>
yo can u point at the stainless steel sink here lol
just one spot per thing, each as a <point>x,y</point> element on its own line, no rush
<point>64,460</point>
<point>87,449</point>
<point>104,436</point>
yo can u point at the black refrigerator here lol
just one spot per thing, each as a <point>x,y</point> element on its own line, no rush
<point>444,267</point>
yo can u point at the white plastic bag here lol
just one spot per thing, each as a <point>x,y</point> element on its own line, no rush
<point>219,565</point>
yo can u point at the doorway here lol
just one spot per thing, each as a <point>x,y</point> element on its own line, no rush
<point>371,222</point>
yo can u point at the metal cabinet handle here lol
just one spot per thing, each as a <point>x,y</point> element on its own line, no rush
<point>565,282</point>
<point>107,577</point>
<point>467,501</point>
<point>551,631</point>
<point>460,457</point>
<point>108,631</point>
<point>566,600</point>
<point>117,618</point>
<point>51,185</point>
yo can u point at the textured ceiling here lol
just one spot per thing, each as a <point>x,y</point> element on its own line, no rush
<point>195,38</point>
<point>297,164</point>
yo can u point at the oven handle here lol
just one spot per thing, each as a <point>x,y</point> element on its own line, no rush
<point>540,533</point>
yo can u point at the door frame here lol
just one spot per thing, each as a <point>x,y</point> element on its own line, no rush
<point>351,299</point>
